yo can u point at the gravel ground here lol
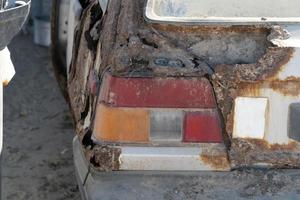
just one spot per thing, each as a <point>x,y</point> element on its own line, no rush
<point>38,131</point>
<point>38,156</point>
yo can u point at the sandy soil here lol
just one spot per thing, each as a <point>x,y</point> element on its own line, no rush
<point>38,131</point>
<point>38,163</point>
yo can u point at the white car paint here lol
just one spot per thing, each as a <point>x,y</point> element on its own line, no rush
<point>277,116</point>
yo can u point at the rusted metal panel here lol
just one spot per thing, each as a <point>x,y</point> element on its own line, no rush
<point>230,80</point>
<point>104,158</point>
<point>247,152</point>
<point>281,87</point>
<point>81,66</point>
<point>238,60</point>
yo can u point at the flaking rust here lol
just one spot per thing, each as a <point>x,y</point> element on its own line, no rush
<point>104,158</point>
<point>251,152</point>
<point>288,87</point>
<point>231,81</point>
<point>216,162</point>
<point>253,81</point>
<point>238,60</point>
<point>216,158</point>
<point>80,68</point>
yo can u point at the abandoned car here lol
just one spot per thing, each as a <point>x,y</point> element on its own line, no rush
<point>160,89</point>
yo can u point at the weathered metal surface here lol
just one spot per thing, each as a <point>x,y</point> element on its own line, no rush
<point>282,88</point>
<point>247,61</point>
<point>211,157</point>
<point>80,68</point>
<point>215,157</point>
<point>247,153</point>
<point>229,79</point>
<point>105,158</point>
<point>173,159</point>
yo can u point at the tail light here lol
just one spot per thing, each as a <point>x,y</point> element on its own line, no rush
<point>143,110</point>
<point>202,126</point>
<point>122,124</point>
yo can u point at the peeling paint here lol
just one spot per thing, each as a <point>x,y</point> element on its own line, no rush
<point>105,158</point>
<point>216,158</point>
<point>250,61</point>
<point>285,36</point>
<point>249,152</point>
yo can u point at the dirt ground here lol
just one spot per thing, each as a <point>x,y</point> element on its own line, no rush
<point>38,131</point>
<point>37,160</point>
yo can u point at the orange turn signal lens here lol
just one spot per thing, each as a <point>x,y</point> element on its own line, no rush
<point>122,124</point>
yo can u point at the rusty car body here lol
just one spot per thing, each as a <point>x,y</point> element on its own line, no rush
<point>252,62</point>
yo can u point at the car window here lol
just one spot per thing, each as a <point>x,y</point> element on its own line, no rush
<point>244,11</point>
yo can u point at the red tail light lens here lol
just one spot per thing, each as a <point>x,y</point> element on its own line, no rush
<point>142,110</point>
<point>157,92</point>
<point>202,126</point>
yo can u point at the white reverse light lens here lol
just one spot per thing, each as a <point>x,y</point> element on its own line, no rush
<point>166,125</point>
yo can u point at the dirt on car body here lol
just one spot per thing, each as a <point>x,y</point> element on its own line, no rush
<point>237,60</point>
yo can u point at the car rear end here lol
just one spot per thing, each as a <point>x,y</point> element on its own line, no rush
<point>151,131</point>
<point>159,123</point>
<point>160,93</point>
